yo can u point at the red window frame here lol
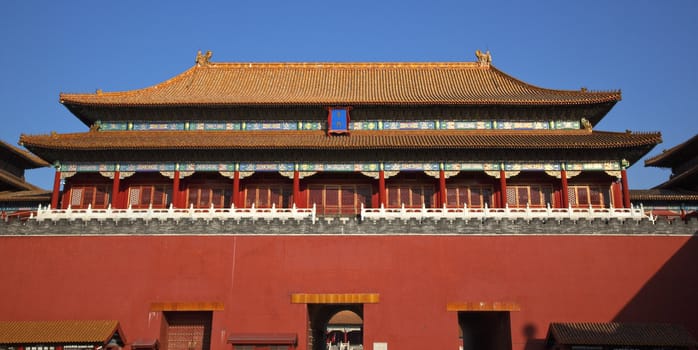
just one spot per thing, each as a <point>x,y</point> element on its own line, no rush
<point>144,196</point>
<point>339,198</point>
<point>266,195</point>
<point>533,195</point>
<point>96,196</point>
<point>474,196</point>
<point>411,195</point>
<point>584,195</point>
<point>203,195</point>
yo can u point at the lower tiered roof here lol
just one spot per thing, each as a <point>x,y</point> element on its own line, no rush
<point>56,146</point>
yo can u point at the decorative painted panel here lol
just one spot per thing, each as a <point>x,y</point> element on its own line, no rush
<point>469,166</point>
<point>310,125</point>
<point>409,125</point>
<point>388,124</point>
<point>266,167</point>
<point>207,167</point>
<point>87,167</point>
<point>271,125</point>
<point>150,126</point>
<point>567,124</point>
<point>594,165</point>
<point>411,166</point>
<point>531,166</point>
<point>464,125</point>
<point>216,126</point>
<point>366,125</point>
<point>521,125</point>
<point>147,167</point>
<point>113,126</point>
<point>339,167</point>
<point>369,167</point>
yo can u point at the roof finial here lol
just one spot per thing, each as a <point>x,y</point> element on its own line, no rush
<point>203,59</point>
<point>484,59</point>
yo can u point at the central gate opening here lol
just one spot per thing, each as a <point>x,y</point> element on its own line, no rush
<point>335,326</point>
<point>485,330</point>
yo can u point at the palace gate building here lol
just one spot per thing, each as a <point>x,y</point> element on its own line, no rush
<point>345,206</point>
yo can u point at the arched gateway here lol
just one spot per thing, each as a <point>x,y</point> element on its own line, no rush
<point>335,326</point>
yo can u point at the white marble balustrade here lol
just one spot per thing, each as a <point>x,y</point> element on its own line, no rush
<point>527,213</point>
<point>46,213</point>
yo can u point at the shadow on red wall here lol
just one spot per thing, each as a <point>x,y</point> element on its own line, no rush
<point>671,295</point>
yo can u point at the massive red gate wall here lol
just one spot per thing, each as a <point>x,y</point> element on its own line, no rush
<point>551,278</point>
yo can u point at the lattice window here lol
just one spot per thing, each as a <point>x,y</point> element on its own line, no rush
<point>511,196</point>
<point>572,196</point>
<point>95,196</point>
<point>585,195</point>
<point>134,196</point>
<point>76,197</point>
<point>144,196</point>
<point>531,195</point>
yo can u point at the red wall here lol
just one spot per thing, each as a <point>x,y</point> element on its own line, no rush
<point>552,278</point>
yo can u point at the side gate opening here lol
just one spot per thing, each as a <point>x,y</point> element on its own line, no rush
<point>335,326</point>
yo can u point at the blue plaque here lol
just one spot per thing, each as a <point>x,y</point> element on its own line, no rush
<point>338,121</point>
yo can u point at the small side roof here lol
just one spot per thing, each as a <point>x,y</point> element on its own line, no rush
<point>659,194</point>
<point>619,334</point>
<point>61,332</point>
<point>21,157</point>
<point>677,154</point>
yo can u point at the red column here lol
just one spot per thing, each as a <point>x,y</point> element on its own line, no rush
<point>381,188</point>
<point>115,189</point>
<point>502,188</point>
<point>236,189</point>
<point>565,193</point>
<point>297,189</point>
<point>442,188</point>
<point>56,189</point>
<point>626,190</point>
<point>617,195</point>
<point>175,190</point>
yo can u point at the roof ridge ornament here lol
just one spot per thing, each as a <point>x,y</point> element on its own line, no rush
<point>484,59</point>
<point>203,59</point>
<point>586,124</point>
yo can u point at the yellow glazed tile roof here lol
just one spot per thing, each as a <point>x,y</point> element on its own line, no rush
<point>357,140</point>
<point>621,334</point>
<point>21,157</point>
<point>445,83</point>
<point>47,332</point>
<point>678,154</point>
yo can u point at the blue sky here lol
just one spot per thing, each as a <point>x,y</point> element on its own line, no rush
<point>647,49</point>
